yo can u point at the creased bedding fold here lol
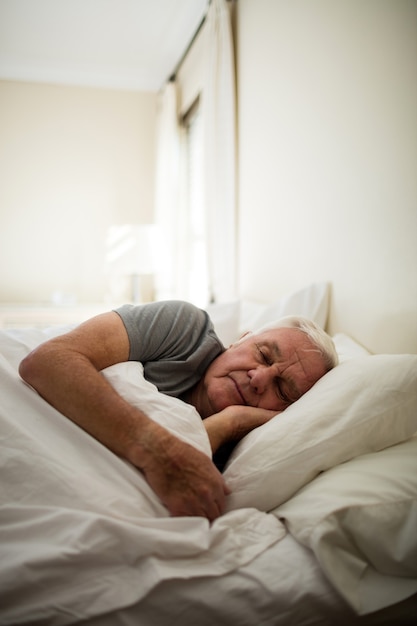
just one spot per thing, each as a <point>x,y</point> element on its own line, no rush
<point>81,531</point>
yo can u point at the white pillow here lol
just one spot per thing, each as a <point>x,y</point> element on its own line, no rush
<point>311,302</point>
<point>232,319</point>
<point>225,318</point>
<point>360,520</point>
<point>348,348</point>
<point>363,405</point>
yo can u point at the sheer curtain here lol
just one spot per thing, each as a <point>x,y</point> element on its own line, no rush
<point>219,118</point>
<point>177,267</point>
<point>167,199</point>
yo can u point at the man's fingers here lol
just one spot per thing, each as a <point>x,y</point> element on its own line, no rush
<point>204,504</point>
<point>186,480</point>
<point>210,510</point>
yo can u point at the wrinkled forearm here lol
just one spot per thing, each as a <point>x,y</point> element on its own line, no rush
<point>69,382</point>
<point>233,423</point>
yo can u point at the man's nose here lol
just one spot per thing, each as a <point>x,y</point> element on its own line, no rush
<point>260,378</point>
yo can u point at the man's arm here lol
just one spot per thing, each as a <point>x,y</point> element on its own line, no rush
<point>233,423</point>
<point>66,372</point>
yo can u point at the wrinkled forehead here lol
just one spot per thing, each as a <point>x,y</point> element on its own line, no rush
<point>287,343</point>
<point>296,351</point>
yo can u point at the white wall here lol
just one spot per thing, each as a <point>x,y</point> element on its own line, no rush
<point>73,161</point>
<point>327,150</point>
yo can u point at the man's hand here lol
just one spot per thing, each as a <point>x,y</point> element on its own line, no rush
<point>233,423</point>
<point>185,479</point>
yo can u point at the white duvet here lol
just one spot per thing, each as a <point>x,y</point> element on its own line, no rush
<point>81,532</point>
<point>84,538</point>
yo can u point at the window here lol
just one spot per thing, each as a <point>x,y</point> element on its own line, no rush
<point>195,245</point>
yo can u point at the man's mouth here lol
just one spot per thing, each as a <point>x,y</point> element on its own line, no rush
<point>239,392</point>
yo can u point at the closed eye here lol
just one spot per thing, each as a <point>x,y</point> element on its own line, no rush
<point>264,356</point>
<point>278,382</point>
<point>281,393</point>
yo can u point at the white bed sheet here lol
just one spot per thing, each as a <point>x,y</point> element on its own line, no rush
<point>81,532</point>
<point>284,586</point>
<point>84,539</point>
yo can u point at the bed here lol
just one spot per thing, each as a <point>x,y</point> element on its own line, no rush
<point>320,527</point>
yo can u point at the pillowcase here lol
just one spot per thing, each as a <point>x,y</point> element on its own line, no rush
<point>348,348</point>
<point>360,520</point>
<point>363,405</point>
<point>232,319</point>
<point>225,318</point>
<point>311,302</point>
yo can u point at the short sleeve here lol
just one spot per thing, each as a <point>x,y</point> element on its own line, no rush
<point>174,340</point>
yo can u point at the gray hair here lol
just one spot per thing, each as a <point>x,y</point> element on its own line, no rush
<point>322,342</point>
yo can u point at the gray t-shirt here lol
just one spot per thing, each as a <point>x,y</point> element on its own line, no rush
<point>174,340</point>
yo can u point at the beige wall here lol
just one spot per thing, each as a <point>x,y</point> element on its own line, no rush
<point>327,159</point>
<point>73,160</point>
<point>327,150</point>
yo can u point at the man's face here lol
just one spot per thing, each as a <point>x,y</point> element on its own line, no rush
<point>270,370</point>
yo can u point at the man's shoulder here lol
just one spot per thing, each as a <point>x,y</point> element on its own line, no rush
<point>168,316</point>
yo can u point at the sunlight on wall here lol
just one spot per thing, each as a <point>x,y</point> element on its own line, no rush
<point>327,154</point>
<point>73,161</point>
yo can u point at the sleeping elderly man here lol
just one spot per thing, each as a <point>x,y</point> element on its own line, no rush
<point>234,390</point>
